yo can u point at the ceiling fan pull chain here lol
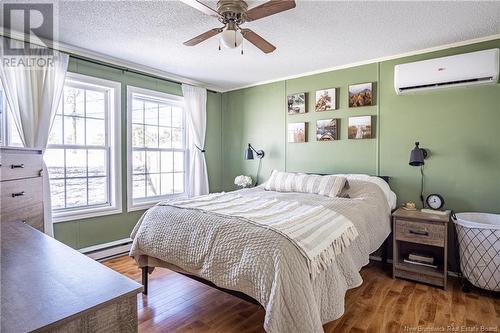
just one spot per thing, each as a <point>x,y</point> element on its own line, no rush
<point>241,48</point>
<point>219,45</point>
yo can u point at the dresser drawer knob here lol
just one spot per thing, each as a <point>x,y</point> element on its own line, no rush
<point>419,232</point>
<point>16,166</point>
<point>18,194</point>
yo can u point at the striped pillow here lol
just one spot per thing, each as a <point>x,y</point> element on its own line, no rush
<point>330,186</point>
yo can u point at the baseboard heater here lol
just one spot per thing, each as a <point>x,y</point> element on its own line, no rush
<point>108,250</point>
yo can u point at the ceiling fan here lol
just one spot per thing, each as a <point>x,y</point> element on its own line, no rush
<point>233,13</point>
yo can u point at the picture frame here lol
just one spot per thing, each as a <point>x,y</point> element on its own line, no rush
<point>360,127</point>
<point>297,103</point>
<point>326,100</point>
<point>297,132</point>
<point>360,94</point>
<point>327,129</point>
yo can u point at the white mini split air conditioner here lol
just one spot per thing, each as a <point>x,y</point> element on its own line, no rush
<point>467,69</point>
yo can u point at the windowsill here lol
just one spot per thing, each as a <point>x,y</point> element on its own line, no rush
<point>143,205</point>
<point>85,214</point>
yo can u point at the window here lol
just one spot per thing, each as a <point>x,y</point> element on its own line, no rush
<point>83,155</point>
<point>156,147</point>
<point>9,136</point>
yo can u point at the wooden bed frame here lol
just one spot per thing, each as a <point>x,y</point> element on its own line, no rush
<point>146,270</point>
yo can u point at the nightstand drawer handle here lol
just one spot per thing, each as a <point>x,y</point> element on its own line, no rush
<point>419,232</point>
<point>18,194</point>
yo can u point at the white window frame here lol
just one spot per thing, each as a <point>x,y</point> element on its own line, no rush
<point>115,165</point>
<point>148,202</point>
<point>6,135</point>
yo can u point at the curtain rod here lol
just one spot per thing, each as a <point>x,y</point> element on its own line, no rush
<point>123,68</point>
<point>105,63</point>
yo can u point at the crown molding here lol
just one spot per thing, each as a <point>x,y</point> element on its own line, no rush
<point>371,61</point>
<point>85,53</point>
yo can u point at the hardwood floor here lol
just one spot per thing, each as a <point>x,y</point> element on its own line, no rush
<point>178,304</point>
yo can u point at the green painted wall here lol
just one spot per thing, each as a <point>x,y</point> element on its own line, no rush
<point>88,232</point>
<point>460,127</point>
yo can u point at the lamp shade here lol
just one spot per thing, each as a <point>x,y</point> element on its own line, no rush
<point>417,156</point>
<point>249,153</point>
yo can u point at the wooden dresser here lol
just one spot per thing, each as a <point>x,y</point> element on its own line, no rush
<point>49,287</point>
<point>21,186</point>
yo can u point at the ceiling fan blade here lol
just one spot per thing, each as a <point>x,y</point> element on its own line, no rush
<point>204,36</point>
<point>201,7</point>
<point>258,41</point>
<point>269,8</point>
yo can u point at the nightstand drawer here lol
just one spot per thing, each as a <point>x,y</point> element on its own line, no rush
<point>420,232</point>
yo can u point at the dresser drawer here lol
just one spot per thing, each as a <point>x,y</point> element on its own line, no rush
<point>32,216</point>
<point>20,194</point>
<point>18,164</point>
<point>420,232</point>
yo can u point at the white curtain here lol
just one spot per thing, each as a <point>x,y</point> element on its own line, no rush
<point>195,100</point>
<point>33,94</point>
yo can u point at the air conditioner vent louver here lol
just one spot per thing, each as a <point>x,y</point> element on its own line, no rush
<point>468,69</point>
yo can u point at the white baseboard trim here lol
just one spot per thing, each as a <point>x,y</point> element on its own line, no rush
<point>379,258</point>
<point>108,250</point>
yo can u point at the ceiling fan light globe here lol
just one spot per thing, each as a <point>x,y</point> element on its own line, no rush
<point>231,38</point>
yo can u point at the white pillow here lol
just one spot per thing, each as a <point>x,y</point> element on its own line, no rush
<point>330,185</point>
<point>389,194</point>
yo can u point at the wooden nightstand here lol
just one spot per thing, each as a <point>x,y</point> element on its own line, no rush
<point>423,233</point>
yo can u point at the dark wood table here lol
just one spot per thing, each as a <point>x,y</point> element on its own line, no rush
<point>46,285</point>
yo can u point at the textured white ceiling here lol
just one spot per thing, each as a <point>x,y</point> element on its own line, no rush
<point>313,36</point>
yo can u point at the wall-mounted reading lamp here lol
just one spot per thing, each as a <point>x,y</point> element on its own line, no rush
<point>249,153</point>
<point>249,156</point>
<point>417,157</point>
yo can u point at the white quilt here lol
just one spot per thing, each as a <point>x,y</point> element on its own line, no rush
<point>236,254</point>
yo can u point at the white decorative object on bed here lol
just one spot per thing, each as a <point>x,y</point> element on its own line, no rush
<point>327,185</point>
<point>258,259</point>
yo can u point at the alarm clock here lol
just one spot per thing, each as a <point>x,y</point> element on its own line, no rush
<point>435,201</point>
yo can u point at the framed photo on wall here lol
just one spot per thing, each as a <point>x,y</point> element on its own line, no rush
<point>327,129</point>
<point>296,103</point>
<point>326,99</point>
<point>360,95</point>
<point>296,132</point>
<point>360,127</point>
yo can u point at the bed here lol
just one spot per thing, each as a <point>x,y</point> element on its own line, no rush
<point>261,264</point>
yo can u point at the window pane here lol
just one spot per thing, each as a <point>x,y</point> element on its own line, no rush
<point>97,162</point>
<point>178,182</point>
<point>98,191</point>
<point>177,138</point>
<point>179,161</point>
<point>138,186</point>
<point>57,193</point>
<point>76,163</point>
<point>167,183</point>
<point>153,161</point>
<point>14,137</point>
<point>76,192</point>
<point>137,135</point>
<point>165,137</point>
<point>54,158</point>
<point>151,139</point>
<point>167,162</point>
<point>138,162</point>
<point>74,130</point>
<point>151,113</point>
<point>74,102</point>
<point>95,104</point>
<point>165,115</point>
<point>137,111</point>
<point>152,185</point>
<point>95,132</point>
<point>176,117</point>
<point>55,137</point>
